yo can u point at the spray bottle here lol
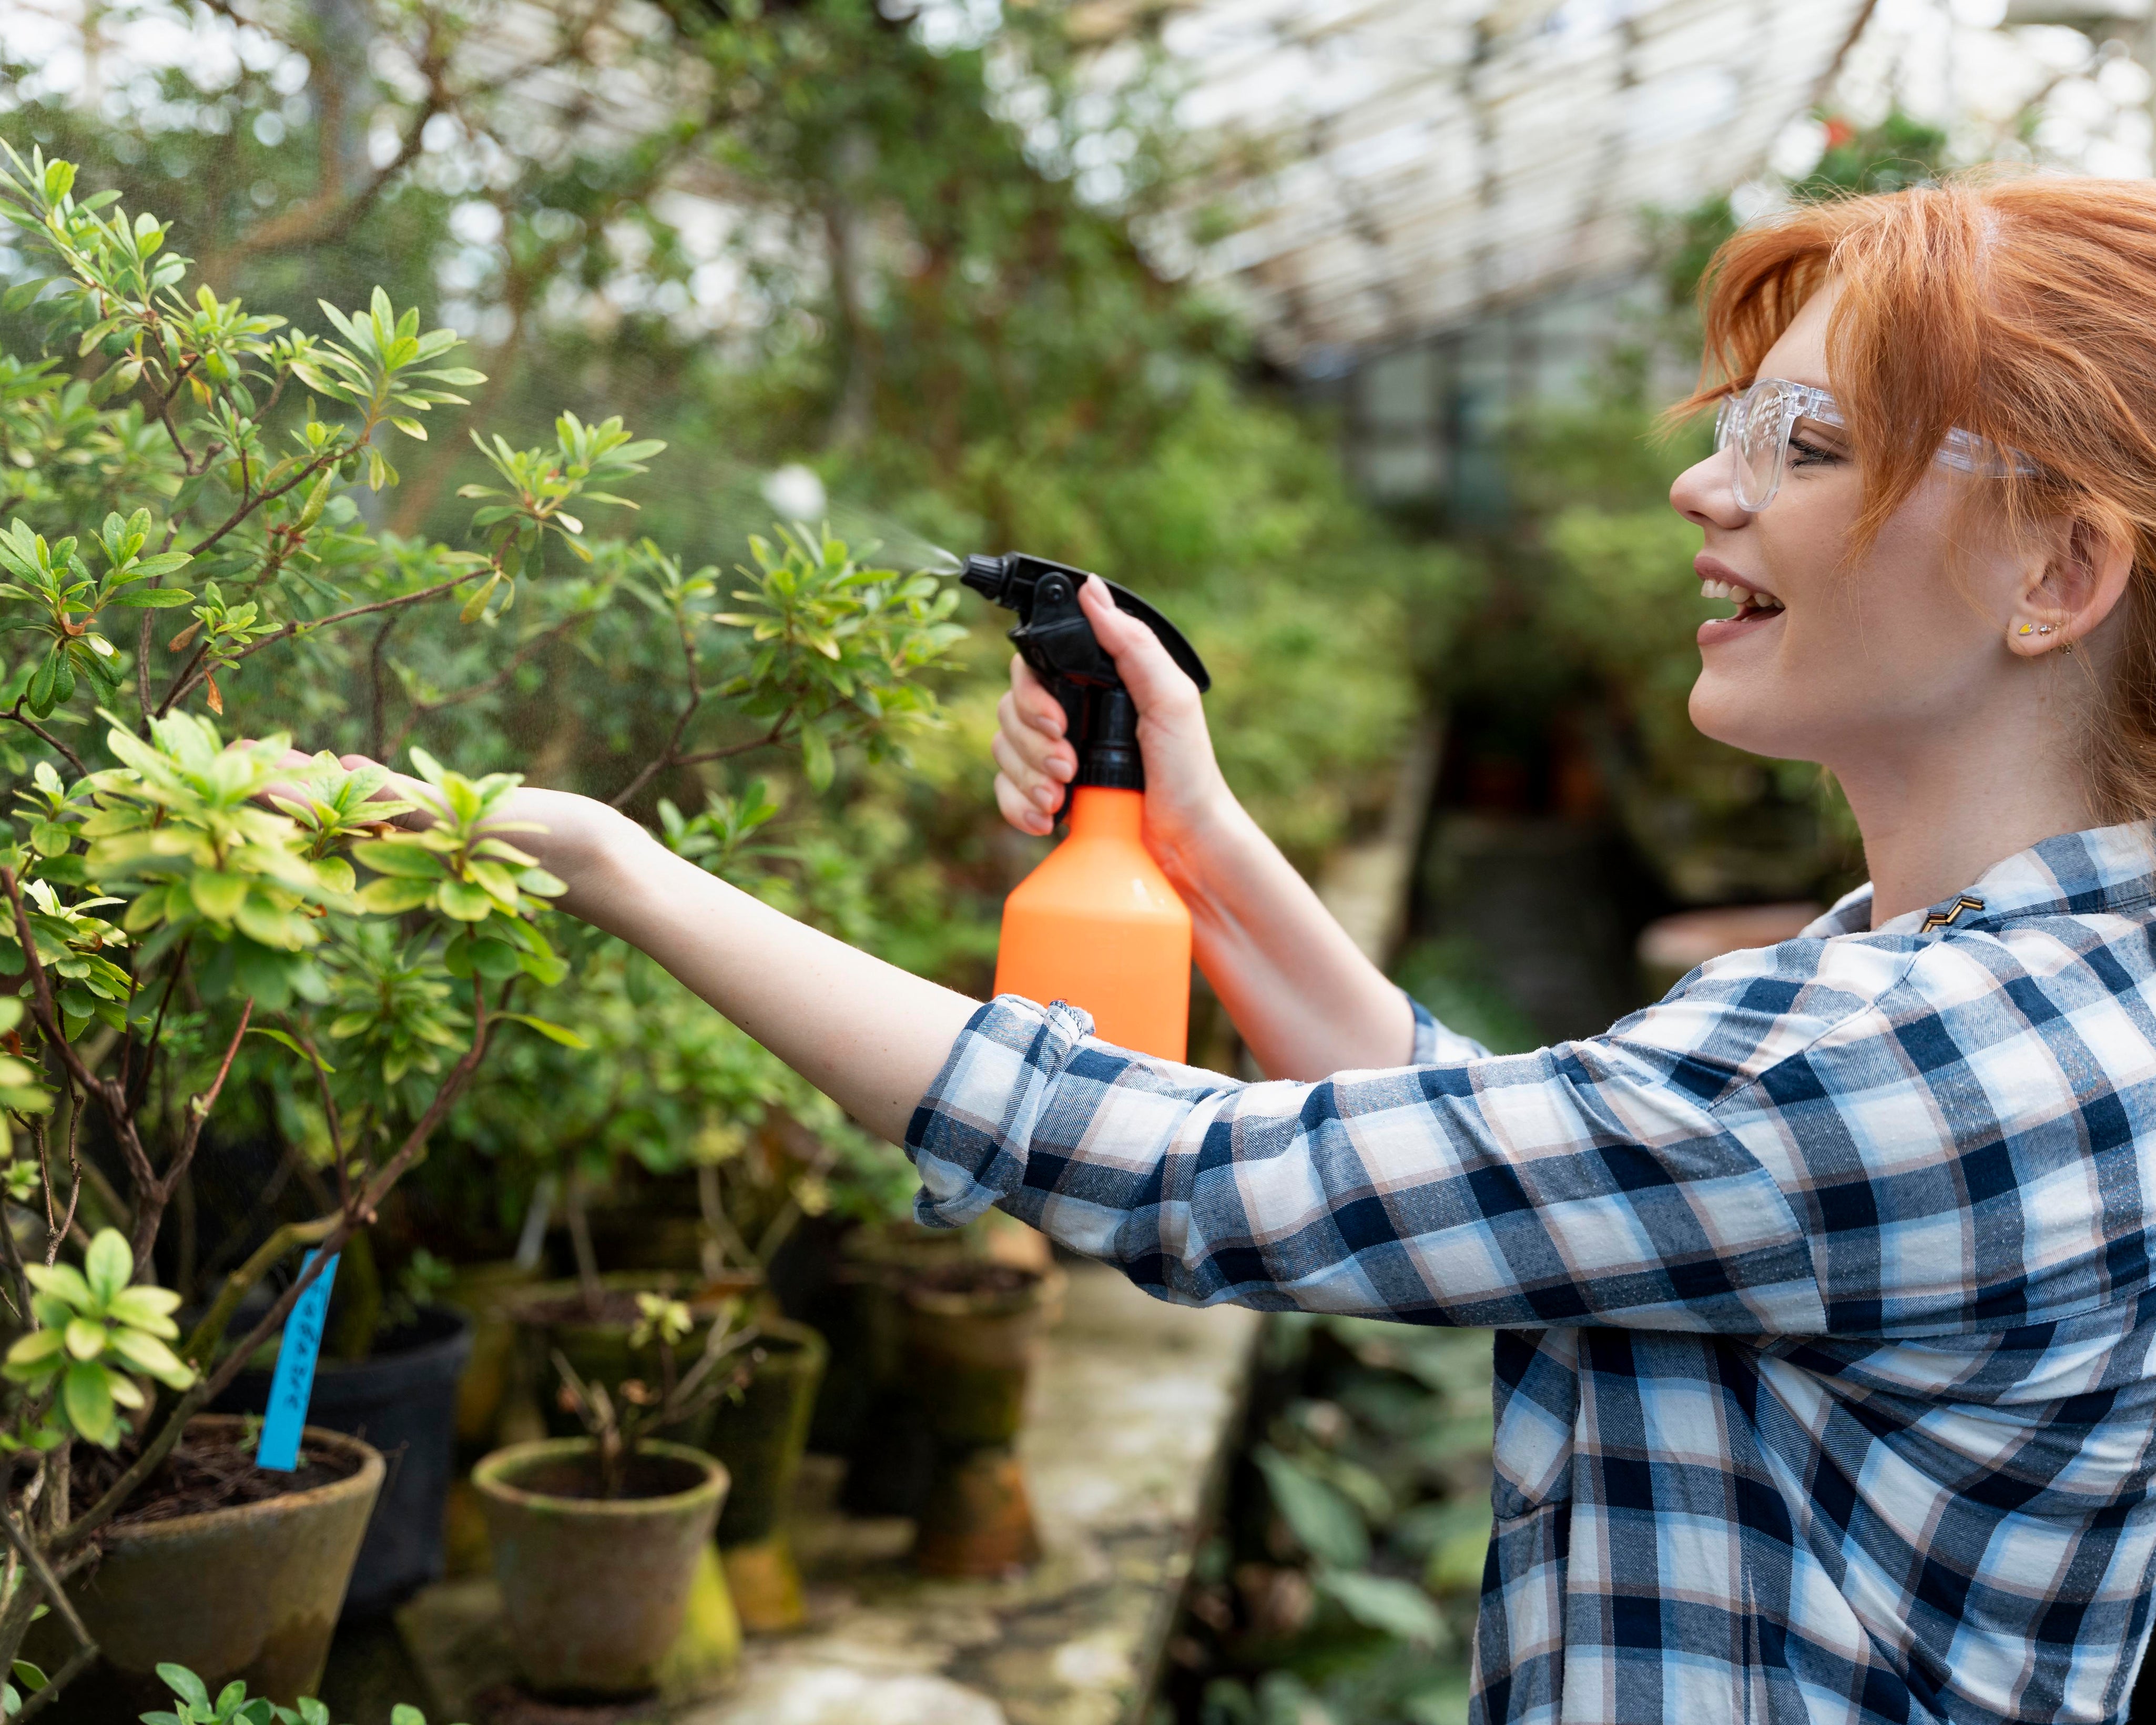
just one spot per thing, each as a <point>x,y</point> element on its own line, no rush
<point>1097,923</point>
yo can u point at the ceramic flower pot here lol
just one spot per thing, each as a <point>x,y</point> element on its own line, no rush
<point>402,1399</point>
<point>971,1334</point>
<point>251,1591</point>
<point>760,1437</point>
<point>596,1591</point>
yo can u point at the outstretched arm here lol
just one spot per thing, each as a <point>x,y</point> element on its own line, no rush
<point>869,1035</point>
<point>1306,1000</point>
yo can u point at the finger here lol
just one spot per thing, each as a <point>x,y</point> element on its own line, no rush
<point>1156,681</point>
<point>1022,812</point>
<point>1035,787</point>
<point>1045,754</point>
<point>1034,703</point>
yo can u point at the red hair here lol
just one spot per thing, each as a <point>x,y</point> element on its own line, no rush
<point>2023,310</point>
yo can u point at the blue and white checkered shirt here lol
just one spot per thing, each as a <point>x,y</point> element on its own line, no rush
<point>1826,1323</point>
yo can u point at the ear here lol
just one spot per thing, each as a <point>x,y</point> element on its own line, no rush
<point>2071,588</point>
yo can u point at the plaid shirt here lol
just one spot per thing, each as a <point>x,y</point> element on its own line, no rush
<point>1826,1327</point>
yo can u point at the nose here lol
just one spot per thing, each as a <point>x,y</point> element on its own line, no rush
<point>1705,495</point>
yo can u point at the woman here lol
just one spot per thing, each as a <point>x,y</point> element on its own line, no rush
<point>1823,1294</point>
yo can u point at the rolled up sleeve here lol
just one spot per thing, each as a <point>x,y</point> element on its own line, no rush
<point>1572,1185</point>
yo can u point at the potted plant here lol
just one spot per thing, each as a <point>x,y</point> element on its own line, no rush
<point>598,1540</point>
<point>389,1373</point>
<point>971,1332</point>
<point>203,930</point>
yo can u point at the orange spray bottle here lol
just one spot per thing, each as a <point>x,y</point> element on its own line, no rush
<point>1097,923</point>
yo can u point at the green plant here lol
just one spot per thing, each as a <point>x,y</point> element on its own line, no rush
<point>621,1418</point>
<point>232,1705</point>
<point>187,918</point>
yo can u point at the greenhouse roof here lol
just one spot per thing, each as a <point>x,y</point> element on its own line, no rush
<point>1422,161</point>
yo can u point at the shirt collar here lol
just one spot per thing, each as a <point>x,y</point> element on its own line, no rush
<point>2068,874</point>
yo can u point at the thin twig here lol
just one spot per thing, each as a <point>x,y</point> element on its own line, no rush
<point>77,1663</point>
<point>307,625</point>
<point>49,1582</point>
<point>49,741</point>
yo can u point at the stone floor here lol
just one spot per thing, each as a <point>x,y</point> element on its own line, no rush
<point>1134,1412</point>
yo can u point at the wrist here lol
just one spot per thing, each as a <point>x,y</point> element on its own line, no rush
<point>591,847</point>
<point>1204,841</point>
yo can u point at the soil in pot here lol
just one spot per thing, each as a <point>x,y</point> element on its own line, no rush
<point>402,1400</point>
<point>597,1590</point>
<point>760,1437</point>
<point>229,1569</point>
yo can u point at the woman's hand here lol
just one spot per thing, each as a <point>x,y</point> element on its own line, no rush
<point>1188,803</point>
<point>575,838</point>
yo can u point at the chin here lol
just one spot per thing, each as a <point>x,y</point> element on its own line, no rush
<point>1727,710</point>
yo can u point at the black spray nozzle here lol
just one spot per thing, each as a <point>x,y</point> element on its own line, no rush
<point>1053,637</point>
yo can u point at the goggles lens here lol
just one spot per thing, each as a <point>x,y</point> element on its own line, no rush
<point>1753,426</point>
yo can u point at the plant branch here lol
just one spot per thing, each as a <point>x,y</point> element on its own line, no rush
<point>47,737</point>
<point>77,1663</point>
<point>107,1092</point>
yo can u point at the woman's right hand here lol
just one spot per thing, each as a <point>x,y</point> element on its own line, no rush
<point>1187,802</point>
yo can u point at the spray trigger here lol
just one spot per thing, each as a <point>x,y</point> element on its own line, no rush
<point>1057,641</point>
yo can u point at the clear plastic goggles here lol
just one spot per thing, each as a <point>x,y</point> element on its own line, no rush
<point>1755,425</point>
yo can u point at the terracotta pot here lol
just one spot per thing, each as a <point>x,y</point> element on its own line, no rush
<point>970,1340</point>
<point>596,1591</point>
<point>402,1399</point>
<point>251,1592</point>
<point>867,1412</point>
<point>760,1438</point>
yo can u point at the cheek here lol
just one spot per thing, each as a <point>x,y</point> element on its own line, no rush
<point>1859,652</point>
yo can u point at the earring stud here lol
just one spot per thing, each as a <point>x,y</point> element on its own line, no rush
<point>2037,628</point>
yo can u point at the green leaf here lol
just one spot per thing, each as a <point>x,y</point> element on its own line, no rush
<point>85,1338</point>
<point>464,901</point>
<point>218,896</point>
<point>185,1684</point>
<point>292,1043</point>
<point>816,760</point>
<point>400,857</point>
<point>552,1032</point>
<point>108,1266</point>
<point>151,598</point>
<point>388,897</point>
<point>86,1394</point>
<point>1379,1602</point>
<point>147,1354</point>
<point>1328,1524</point>
<point>30,1677</point>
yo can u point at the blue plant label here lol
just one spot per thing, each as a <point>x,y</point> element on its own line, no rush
<point>293,1385</point>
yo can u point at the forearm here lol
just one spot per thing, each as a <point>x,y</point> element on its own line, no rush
<point>1307,1000</point>
<point>871,1036</point>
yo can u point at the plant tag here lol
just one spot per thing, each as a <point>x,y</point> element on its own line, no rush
<point>293,1385</point>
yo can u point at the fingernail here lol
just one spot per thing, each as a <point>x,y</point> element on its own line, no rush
<point>1045,795</point>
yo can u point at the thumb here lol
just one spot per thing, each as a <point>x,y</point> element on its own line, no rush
<point>1157,684</point>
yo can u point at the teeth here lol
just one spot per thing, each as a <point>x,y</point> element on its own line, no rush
<point>1742,596</point>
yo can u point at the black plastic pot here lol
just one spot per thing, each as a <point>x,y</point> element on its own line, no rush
<point>403,1401</point>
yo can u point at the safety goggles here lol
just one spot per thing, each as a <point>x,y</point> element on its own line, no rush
<point>1755,425</point>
